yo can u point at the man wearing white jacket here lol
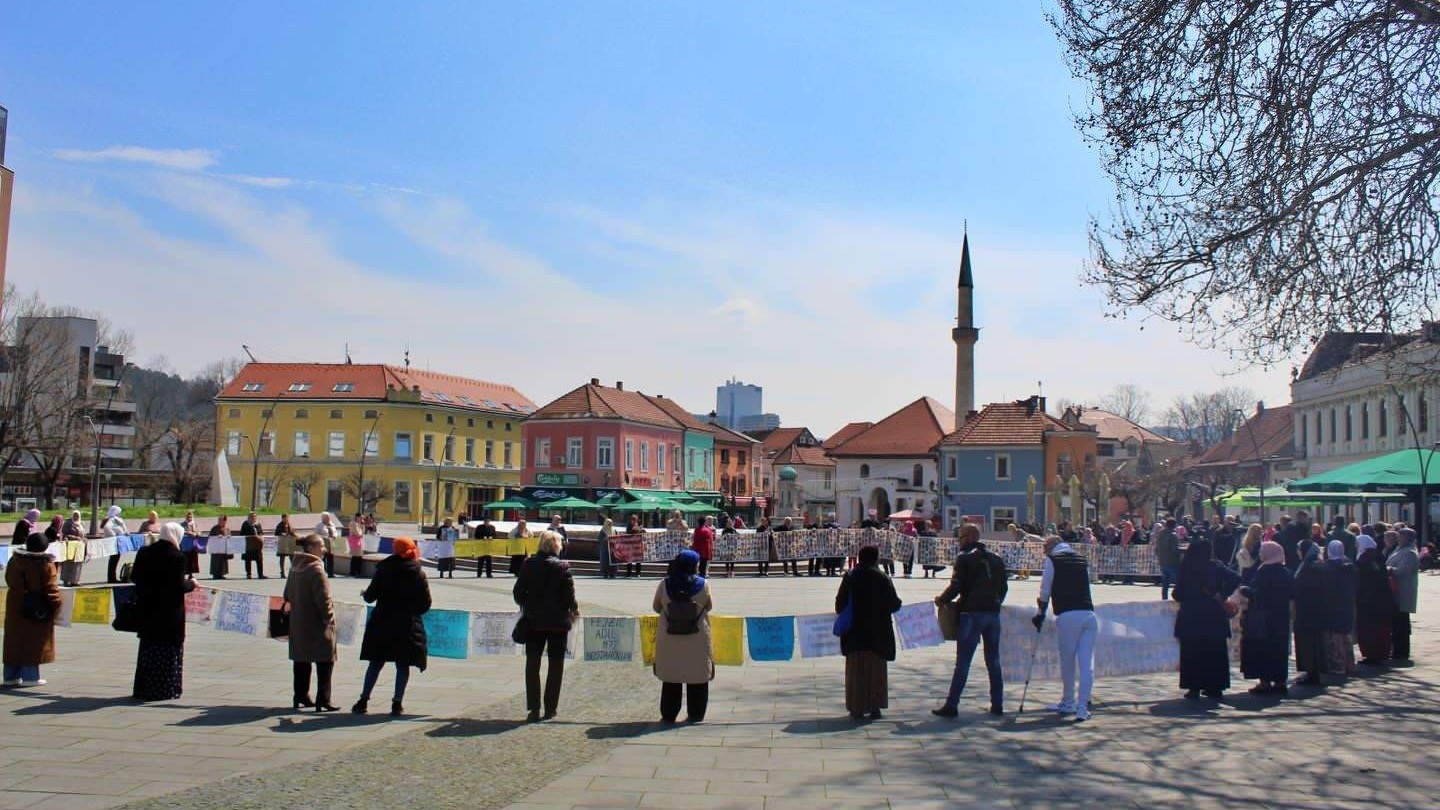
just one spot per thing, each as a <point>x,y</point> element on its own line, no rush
<point>1066,585</point>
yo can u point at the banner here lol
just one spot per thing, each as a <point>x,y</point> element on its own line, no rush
<point>772,638</point>
<point>726,642</point>
<point>490,633</point>
<point>816,634</point>
<point>349,623</point>
<point>437,549</point>
<point>1134,638</point>
<point>742,548</point>
<point>649,627</point>
<point>92,606</point>
<point>447,633</point>
<point>610,638</point>
<point>245,613</point>
<point>917,626</point>
<point>200,605</point>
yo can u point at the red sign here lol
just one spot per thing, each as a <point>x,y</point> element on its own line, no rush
<point>628,548</point>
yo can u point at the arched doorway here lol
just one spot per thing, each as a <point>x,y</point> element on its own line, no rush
<point>880,502</point>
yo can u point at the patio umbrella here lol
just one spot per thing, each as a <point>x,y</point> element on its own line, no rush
<point>1030,501</point>
<point>1077,506</point>
<point>1403,469</point>
<point>510,502</point>
<point>1102,501</point>
<point>570,503</point>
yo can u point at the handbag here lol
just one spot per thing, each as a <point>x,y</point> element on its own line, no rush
<point>949,621</point>
<point>521,633</point>
<point>127,618</point>
<point>845,619</point>
<point>36,608</point>
<point>279,623</point>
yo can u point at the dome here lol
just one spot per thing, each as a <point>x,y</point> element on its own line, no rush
<point>787,473</point>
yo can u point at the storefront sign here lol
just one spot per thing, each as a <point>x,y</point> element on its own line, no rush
<point>557,479</point>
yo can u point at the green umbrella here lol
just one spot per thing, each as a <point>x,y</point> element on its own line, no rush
<point>645,505</point>
<point>1403,469</point>
<point>510,502</point>
<point>691,508</point>
<point>569,503</point>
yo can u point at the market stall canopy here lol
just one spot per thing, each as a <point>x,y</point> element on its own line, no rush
<point>690,507</point>
<point>1279,496</point>
<point>1398,471</point>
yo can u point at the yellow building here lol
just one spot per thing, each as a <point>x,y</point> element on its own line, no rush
<point>292,434</point>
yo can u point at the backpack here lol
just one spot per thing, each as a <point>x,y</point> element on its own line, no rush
<point>991,580</point>
<point>682,617</point>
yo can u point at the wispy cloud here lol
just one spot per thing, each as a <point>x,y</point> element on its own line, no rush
<point>191,160</point>
<point>264,182</point>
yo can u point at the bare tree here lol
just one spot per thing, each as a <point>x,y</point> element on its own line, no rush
<point>302,484</point>
<point>375,490</point>
<point>1210,418</point>
<point>186,451</point>
<point>1128,401</point>
<point>1275,163</point>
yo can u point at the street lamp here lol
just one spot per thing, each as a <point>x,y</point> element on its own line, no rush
<point>439,462</point>
<point>1258,460</point>
<point>99,428</point>
<point>365,451</point>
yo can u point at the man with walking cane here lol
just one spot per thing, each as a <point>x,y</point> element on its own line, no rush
<point>1066,584</point>
<point>979,581</point>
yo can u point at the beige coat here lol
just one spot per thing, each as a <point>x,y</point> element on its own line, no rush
<point>312,615</point>
<point>684,659</point>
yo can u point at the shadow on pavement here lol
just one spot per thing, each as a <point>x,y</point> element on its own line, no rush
<point>827,725</point>
<point>293,724</point>
<point>625,731</point>
<point>474,728</point>
<point>232,715</point>
<point>56,704</point>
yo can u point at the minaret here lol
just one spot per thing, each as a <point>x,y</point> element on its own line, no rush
<point>965,334</point>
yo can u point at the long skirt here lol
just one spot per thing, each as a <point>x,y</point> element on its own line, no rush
<point>1339,653</point>
<point>1265,660</point>
<point>158,671</point>
<point>1374,638</point>
<point>1204,664</point>
<point>70,574</point>
<point>1310,652</point>
<point>219,565</point>
<point>867,683</point>
<point>192,562</point>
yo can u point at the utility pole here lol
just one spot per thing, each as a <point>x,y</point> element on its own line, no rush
<point>364,451</point>
<point>439,461</point>
<point>99,428</point>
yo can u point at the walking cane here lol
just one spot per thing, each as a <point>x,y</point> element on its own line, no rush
<point>1030,669</point>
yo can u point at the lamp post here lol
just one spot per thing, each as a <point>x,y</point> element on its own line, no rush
<point>99,428</point>
<point>365,451</point>
<point>255,452</point>
<point>439,462</point>
<point>1258,460</point>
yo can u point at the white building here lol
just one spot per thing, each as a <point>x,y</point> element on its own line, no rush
<point>890,466</point>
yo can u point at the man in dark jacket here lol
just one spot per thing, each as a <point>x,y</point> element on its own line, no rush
<point>1338,531</point>
<point>1291,534</point>
<point>1225,539</point>
<point>1167,555</point>
<point>254,536</point>
<point>979,580</point>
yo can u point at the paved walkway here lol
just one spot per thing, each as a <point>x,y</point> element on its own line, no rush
<point>776,735</point>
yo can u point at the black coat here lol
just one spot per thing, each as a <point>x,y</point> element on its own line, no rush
<point>545,592</point>
<point>1312,593</point>
<point>1289,539</point>
<point>1200,593</point>
<point>160,588</point>
<point>395,631</point>
<point>1374,601</point>
<point>1271,590</point>
<point>1226,539</point>
<point>875,599</point>
<point>1340,596</point>
<point>979,580</point>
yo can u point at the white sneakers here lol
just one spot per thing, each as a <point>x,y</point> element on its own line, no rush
<point>1082,713</point>
<point>16,682</point>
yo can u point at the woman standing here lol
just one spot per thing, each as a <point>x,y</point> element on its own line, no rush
<point>312,625</point>
<point>329,531</point>
<point>762,530</point>
<point>602,549</point>
<point>220,563</point>
<point>1374,602</point>
<point>31,603</point>
<point>1247,559</point>
<point>73,531</point>
<point>286,545</point>
<point>1312,598</point>
<point>520,532</point>
<point>633,529</point>
<point>192,557</point>
<point>395,633</point>
<point>24,527</point>
<point>446,531</point>
<point>160,588</point>
<point>1340,609</point>
<point>703,544</point>
<point>1202,626</point>
<point>869,644</point>
<point>1404,565</point>
<point>355,543</point>
<point>545,592</point>
<point>1265,629</point>
<point>114,526</point>
<point>683,659</point>
<point>727,527</point>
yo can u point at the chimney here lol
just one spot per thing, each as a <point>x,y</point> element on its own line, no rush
<point>619,385</point>
<point>594,380</point>
<point>1259,407</point>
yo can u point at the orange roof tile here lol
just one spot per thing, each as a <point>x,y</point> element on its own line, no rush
<point>808,456</point>
<point>1272,430</point>
<point>679,414</point>
<point>911,431</point>
<point>595,401</point>
<point>779,439</point>
<point>845,434</point>
<point>1114,426</point>
<point>371,381</point>
<point>724,434</point>
<point>1006,423</point>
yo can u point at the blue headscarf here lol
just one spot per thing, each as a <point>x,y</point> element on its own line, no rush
<point>683,581</point>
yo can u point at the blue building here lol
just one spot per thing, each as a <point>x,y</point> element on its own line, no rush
<point>993,469</point>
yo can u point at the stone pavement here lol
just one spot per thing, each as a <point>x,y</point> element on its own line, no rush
<point>776,735</point>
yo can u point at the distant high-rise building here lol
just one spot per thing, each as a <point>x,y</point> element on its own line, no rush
<point>740,406</point>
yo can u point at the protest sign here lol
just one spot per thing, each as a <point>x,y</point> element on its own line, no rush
<point>490,633</point>
<point>917,626</point>
<point>727,645</point>
<point>816,635</point>
<point>649,627</point>
<point>771,638</point>
<point>242,613</point>
<point>92,606</point>
<point>447,633</point>
<point>610,638</point>
<point>199,605</point>
<point>349,623</point>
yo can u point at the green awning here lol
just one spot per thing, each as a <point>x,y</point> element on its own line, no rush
<point>711,497</point>
<point>510,502</point>
<point>570,503</point>
<point>1282,497</point>
<point>1398,471</point>
<point>691,508</point>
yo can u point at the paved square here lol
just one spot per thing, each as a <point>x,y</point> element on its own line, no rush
<point>776,735</point>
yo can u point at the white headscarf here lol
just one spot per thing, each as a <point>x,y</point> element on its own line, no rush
<point>112,512</point>
<point>172,533</point>
<point>1335,550</point>
<point>1363,543</point>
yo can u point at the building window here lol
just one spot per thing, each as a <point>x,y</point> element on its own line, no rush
<point>952,467</point>
<point>509,459</point>
<point>829,479</point>
<point>402,497</point>
<point>575,452</point>
<point>449,489</point>
<point>740,458</point>
<point>542,452</point>
<point>605,454</point>
<point>343,388</point>
<point>300,496</point>
<point>508,426</point>
<point>1062,466</point>
<point>490,423</point>
<point>337,444</point>
<point>232,442</point>
<point>450,419</point>
<point>1347,423</point>
<point>724,456</point>
<point>429,417</point>
<point>427,492</point>
<point>1106,449</point>
<point>234,413</point>
<point>1423,417</point>
<point>266,413</point>
<point>372,445</point>
<point>690,461</point>
<point>262,492</point>
<point>1384,427</point>
<point>1364,420</point>
<point>705,465</point>
<point>372,414</point>
<point>489,453</point>
<point>660,453</point>
<point>1334,434</point>
<point>449,449</point>
<point>302,413</point>
<point>917,475</point>
<point>864,470</point>
<point>334,493</point>
<point>251,388</point>
<point>337,414</point>
<point>469,450</point>
<point>299,388</point>
<point>427,447</point>
<point>1001,517</point>
<point>629,455</point>
<point>644,456</point>
<point>402,446</point>
<point>1304,430</point>
<point>470,422</point>
<point>1320,425</point>
<point>302,443</point>
<point>1002,466</point>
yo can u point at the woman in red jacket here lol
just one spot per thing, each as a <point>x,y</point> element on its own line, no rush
<point>703,543</point>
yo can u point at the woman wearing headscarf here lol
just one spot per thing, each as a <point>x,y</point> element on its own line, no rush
<point>1404,565</point>
<point>395,633</point>
<point>220,563</point>
<point>55,533</point>
<point>312,624</point>
<point>114,526</point>
<point>72,564</point>
<point>355,543</point>
<point>1374,602</point>
<point>869,644</point>
<point>329,531</point>
<point>545,592</point>
<point>190,528</point>
<point>520,532</point>
<point>1247,559</point>
<point>1340,609</point>
<point>1265,628</point>
<point>602,549</point>
<point>24,527</point>
<point>727,527</point>
<point>160,588</point>
<point>683,655</point>
<point>32,599</point>
<point>1202,626</point>
<point>1312,594</point>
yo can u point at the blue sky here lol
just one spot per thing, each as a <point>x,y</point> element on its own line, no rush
<point>668,194</point>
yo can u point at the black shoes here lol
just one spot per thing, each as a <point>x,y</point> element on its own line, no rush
<point>997,710</point>
<point>322,708</point>
<point>361,706</point>
<point>396,709</point>
<point>549,715</point>
<point>876,715</point>
<point>945,711</point>
<point>533,716</point>
<point>303,702</point>
<point>1193,694</point>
